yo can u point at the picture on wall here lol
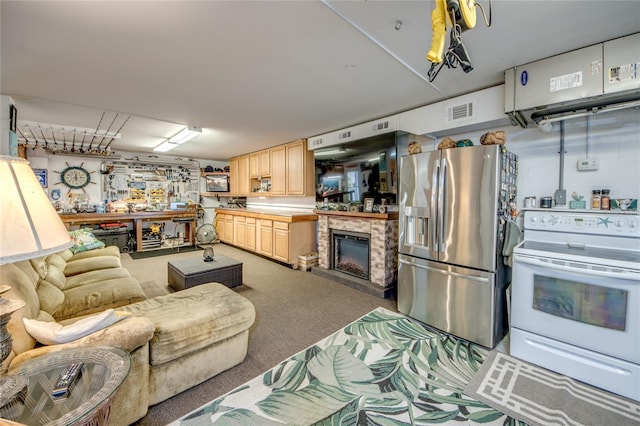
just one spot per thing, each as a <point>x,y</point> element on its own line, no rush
<point>41,174</point>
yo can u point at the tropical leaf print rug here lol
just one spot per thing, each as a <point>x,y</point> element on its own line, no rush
<point>383,369</point>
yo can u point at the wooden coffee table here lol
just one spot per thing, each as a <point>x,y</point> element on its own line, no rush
<point>193,271</point>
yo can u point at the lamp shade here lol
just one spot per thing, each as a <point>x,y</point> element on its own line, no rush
<point>29,225</point>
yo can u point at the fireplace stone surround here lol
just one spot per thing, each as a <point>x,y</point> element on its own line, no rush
<point>383,243</point>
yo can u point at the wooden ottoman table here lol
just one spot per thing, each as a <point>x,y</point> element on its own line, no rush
<point>190,272</point>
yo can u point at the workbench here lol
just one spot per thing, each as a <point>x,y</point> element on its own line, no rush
<point>137,219</point>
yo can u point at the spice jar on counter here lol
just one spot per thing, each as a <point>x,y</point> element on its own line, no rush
<point>595,199</point>
<point>605,200</point>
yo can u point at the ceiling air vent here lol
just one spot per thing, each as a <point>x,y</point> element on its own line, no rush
<point>383,125</point>
<point>316,142</point>
<point>460,112</point>
<point>345,135</point>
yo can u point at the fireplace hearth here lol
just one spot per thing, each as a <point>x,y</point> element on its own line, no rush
<point>351,253</point>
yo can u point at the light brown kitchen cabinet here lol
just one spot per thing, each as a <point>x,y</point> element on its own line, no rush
<point>282,237</point>
<point>254,165</point>
<point>300,169</point>
<point>239,231</point>
<point>279,170</point>
<point>233,176</point>
<point>224,227</point>
<point>244,181</point>
<point>265,237</point>
<point>281,241</point>
<point>250,243</point>
<point>265,162</point>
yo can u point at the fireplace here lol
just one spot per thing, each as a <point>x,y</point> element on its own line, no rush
<point>350,253</point>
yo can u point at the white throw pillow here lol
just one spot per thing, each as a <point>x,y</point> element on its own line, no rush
<point>52,333</point>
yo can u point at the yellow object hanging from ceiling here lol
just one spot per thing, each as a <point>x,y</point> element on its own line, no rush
<point>458,12</point>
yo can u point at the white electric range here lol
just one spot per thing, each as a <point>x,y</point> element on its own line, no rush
<point>575,305</point>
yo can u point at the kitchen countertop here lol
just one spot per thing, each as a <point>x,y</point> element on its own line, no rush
<point>269,214</point>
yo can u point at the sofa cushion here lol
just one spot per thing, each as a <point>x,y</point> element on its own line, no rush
<point>91,264</point>
<point>23,288</point>
<point>97,296</point>
<point>55,276</point>
<point>84,240</point>
<point>53,333</point>
<point>39,265</point>
<point>98,275</point>
<point>105,251</point>
<point>192,319</point>
<point>50,296</point>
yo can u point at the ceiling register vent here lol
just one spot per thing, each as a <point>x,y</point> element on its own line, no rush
<point>345,135</point>
<point>460,112</point>
<point>383,125</point>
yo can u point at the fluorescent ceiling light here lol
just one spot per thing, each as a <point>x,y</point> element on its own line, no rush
<point>179,138</point>
<point>186,134</point>
<point>165,146</point>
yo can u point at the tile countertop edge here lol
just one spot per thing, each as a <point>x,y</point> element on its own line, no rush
<point>277,215</point>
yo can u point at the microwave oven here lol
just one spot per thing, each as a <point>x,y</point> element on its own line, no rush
<point>218,183</point>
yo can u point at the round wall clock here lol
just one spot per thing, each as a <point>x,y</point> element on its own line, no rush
<point>75,177</point>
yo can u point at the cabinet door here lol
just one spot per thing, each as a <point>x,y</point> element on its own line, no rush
<point>254,165</point>
<point>220,218</point>
<point>228,229</point>
<point>279,170</point>
<point>300,169</point>
<point>265,162</point>
<point>265,239</point>
<point>281,241</point>
<point>244,181</point>
<point>239,231</point>
<point>250,242</point>
<point>233,176</point>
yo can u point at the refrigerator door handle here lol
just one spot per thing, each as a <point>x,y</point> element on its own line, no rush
<point>442,203</point>
<point>434,209</point>
<point>442,271</point>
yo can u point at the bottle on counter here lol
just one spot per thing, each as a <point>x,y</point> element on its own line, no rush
<point>605,200</point>
<point>595,199</point>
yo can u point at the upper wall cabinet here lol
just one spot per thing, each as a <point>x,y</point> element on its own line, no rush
<point>300,169</point>
<point>282,170</point>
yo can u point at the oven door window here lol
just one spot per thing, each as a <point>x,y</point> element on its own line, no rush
<point>587,303</point>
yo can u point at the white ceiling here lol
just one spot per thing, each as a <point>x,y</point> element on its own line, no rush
<point>255,74</point>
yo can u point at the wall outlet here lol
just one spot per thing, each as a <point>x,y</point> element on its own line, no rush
<point>561,197</point>
<point>588,164</point>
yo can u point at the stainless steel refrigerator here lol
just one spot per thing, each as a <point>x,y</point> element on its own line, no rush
<point>453,209</point>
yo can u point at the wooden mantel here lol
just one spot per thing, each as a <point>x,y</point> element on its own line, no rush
<point>360,215</point>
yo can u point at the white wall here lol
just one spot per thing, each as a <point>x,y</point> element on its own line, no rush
<point>613,139</point>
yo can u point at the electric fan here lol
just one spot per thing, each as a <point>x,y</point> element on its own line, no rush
<point>206,234</point>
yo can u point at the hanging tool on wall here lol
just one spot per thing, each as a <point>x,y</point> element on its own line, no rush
<point>461,15</point>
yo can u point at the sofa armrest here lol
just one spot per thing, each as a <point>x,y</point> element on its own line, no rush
<point>128,334</point>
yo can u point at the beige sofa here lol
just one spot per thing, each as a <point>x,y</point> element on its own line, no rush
<point>170,351</point>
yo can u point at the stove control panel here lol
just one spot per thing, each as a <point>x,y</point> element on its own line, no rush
<point>598,223</point>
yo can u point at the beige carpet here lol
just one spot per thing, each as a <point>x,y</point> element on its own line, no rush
<point>541,397</point>
<point>294,309</point>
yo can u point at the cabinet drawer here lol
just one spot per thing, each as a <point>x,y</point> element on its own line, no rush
<point>266,223</point>
<point>281,225</point>
<point>251,220</point>
<point>239,219</point>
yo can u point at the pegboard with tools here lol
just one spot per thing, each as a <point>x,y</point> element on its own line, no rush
<point>150,185</point>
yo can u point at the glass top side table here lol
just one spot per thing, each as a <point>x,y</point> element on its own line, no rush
<point>89,401</point>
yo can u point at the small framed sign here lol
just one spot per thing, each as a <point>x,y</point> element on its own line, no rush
<point>41,174</point>
<point>368,205</point>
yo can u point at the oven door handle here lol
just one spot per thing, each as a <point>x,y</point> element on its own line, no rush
<point>620,274</point>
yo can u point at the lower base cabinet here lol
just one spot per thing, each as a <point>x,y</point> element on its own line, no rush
<point>280,240</point>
